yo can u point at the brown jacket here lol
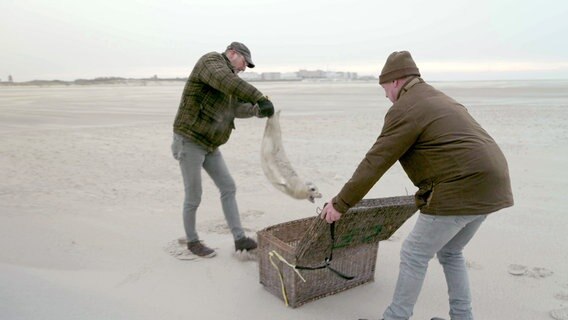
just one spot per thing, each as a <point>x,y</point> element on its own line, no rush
<point>457,166</point>
<point>213,96</point>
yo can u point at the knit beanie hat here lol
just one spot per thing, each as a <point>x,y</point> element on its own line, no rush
<point>399,65</point>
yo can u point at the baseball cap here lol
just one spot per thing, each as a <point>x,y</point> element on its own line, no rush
<point>242,49</point>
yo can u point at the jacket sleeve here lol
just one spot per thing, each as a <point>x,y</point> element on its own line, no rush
<point>398,134</point>
<point>245,110</point>
<point>218,75</point>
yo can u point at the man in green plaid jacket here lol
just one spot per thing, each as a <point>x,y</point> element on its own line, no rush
<point>213,97</point>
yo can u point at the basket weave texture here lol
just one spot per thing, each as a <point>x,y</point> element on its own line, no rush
<point>307,243</point>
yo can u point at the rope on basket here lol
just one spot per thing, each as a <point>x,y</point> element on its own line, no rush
<point>326,265</point>
<point>327,262</point>
<point>271,255</point>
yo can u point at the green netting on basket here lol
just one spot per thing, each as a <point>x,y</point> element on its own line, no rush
<point>370,221</point>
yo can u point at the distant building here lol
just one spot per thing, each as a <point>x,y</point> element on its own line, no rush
<point>368,78</point>
<point>290,76</point>
<point>299,75</point>
<point>311,74</point>
<point>340,75</point>
<point>249,76</point>
<point>271,76</point>
<point>10,79</point>
<point>320,74</point>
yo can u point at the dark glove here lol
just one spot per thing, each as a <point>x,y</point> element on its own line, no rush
<point>265,107</point>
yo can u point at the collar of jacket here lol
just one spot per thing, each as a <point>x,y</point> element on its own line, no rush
<point>409,84</point>
<point>228,62</point>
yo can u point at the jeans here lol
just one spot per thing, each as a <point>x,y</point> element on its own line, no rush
<point>445,236</point>
<point>192,157</point>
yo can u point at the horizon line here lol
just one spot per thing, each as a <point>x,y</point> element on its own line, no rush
<point>361,78</point>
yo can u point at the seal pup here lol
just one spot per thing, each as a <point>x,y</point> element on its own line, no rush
<point>277,167</point>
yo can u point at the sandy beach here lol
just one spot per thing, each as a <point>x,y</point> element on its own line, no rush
<point>90,203</point>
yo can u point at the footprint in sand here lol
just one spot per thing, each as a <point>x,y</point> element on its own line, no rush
<point>539,273</point>
<point>178,249</point>
<point>536,272</point>
<point>559,314</point>
<point>562,295</point>
<point>220,226</point>
<point>217,226</point>
<point>252,214</point>
<point>517,269</point>
<point>473,265</point>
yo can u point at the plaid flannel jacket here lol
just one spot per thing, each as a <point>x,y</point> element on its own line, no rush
<point>211,96</point>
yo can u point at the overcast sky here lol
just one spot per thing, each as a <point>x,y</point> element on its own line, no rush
<point>449,40</point>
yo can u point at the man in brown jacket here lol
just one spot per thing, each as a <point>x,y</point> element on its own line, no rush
<point>212,98</point>
<point>460,172</point>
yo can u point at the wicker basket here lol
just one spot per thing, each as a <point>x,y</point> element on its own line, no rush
<point>286,250</point>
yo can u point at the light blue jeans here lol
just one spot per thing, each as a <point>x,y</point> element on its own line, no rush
<point>192,157</point>
<point>446,237</point>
